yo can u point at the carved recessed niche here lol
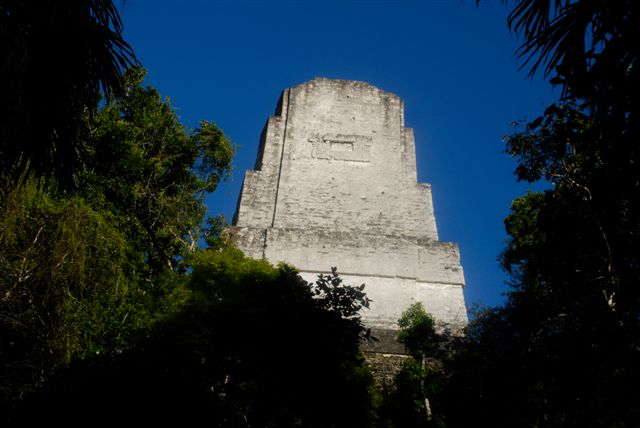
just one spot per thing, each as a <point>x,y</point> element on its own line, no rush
<point>355,148</point>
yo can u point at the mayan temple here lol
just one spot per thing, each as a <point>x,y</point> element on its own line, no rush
<point>335,184</point>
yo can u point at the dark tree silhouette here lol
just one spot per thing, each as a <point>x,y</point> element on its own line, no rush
<point>57,58</point>
<point>588,47</point>
<point>563,350</point>
<point>253,346</point>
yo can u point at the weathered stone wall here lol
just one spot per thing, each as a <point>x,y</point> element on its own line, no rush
<point>335,185</point>
<point>384,367</point>
<point>339,158</point>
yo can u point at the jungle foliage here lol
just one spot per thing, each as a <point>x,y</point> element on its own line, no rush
<point>412,400</point>
<point>84,272</point>
<point>58,59</point>
<point>109,300</point>
<point>249,346</point>
<point>563,350</point>
<point>110,307</point>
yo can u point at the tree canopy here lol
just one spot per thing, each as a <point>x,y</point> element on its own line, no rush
<point>408,402</point>
<point>250,346</point>
<point>588,47</point>
<point>562,350</point>
<point>145,166</point>
<point>58,59</point>
<point>85,272</point>
<point>107,298</point>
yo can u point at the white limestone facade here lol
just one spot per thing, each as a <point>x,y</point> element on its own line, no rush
<point>335,184</point>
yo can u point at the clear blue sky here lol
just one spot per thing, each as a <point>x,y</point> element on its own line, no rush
<point>451,62</point>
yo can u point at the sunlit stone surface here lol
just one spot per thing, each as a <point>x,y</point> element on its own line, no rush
<point>335,184</point>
